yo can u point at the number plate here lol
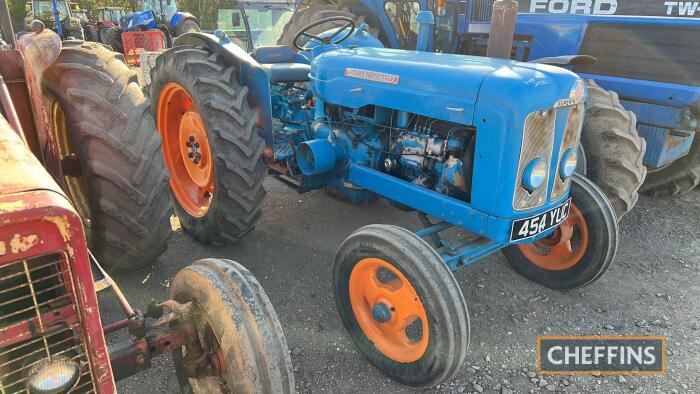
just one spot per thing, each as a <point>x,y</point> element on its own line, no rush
<point>534,225</point>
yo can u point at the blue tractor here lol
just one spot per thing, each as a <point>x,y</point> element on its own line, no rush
<point>486,146</point>
<point>161,15</point>
<point>653,64</point>
<point>640,122</point>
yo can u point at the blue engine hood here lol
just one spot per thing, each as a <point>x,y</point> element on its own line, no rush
<point>442,86</point>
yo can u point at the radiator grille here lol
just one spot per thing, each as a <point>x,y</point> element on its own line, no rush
<point>571,138</point>
<point>39,320</point>
<point>538,140</point>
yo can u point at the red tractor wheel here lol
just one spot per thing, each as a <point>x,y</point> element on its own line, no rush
<point>237,330</point>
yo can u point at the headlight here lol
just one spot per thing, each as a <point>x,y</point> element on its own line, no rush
<point>56,376</point>
<point>568,163</point>
<point>74,21</point>
<point>535,174</point>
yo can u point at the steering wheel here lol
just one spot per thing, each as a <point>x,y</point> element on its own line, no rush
<point>349,23</point>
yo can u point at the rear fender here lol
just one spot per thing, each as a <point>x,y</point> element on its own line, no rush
<point>250,74</point>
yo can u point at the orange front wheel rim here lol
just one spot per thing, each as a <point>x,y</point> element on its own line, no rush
<point>186,150</point>
<point>564,248</point>
<point>388,310</point>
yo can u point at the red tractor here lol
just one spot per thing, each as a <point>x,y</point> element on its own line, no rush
<point>83,184</point>
<point>106,18</point>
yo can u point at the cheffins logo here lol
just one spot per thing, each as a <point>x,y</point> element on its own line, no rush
<point>604,355</point>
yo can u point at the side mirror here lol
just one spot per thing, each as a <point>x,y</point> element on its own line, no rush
<point>236,19</point>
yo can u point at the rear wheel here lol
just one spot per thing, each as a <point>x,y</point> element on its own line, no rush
<point>187,26</point>
<point>305,17</point>
<point>109,149</point>
<point>113,37</point>
<point>401,305</point>
<point>237,328</point>
<point>680,176</point>
<point>579,251</point>
<point>210,143</point>
<point>614,149</point>
<point>91,34</point>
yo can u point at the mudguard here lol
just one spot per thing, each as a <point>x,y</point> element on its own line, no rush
<point>250,74</point>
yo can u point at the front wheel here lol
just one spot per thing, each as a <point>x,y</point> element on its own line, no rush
<point>401,305</point>
<point>236,326</point>
<point>579,251</point>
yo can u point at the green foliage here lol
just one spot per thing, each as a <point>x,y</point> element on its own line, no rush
<point>204,10</point>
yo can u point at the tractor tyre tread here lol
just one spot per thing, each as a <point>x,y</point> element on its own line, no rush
<point>118,148</point>
<point>233,136</point>
<point>614,149</point>
<point>113,38</point>
<point>187,26</point>
<point>678,177</point>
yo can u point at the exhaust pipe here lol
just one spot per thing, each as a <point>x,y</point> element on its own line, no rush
<point>503,19</point>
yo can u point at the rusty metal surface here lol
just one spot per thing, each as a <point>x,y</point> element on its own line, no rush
<point>12,71</point>
<point>39,51</point>
<point>32,208</point>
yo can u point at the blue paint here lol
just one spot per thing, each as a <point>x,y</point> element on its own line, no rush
<point>438,133</point>
<point>660,107</point>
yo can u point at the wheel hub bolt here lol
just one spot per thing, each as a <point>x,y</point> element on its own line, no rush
<point>381,313</point>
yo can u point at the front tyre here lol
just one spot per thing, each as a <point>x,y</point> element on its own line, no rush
<point>401,305</point>
<point>210,143</point>
<point>237,325</point>
<point>579,251</point>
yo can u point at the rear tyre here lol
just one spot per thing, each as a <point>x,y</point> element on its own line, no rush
<point>187,26</point>
<point>210,142</point>
<point>401,305</point>
<point>91,34</point>
<point>237,324</point>
<point>677,177</point>
<point>102,124</point>
<point>305,17</point>
<point>113,37</point>
<point>580,250</point>
<point>614,150</point>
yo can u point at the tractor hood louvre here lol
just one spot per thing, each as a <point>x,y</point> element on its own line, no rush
<point>438,85</point>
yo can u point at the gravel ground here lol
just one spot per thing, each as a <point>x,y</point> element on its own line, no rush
<point>652,289</point>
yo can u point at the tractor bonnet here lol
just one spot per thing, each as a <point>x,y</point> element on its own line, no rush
<point>438,85</point>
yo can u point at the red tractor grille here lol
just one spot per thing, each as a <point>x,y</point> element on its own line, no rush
<point>39,319</point>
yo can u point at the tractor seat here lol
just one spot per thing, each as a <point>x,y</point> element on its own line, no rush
<point>281,64</point>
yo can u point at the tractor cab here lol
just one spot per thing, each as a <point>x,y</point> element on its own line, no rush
<point>56,15</point>
<point>110,14</point>
<point>253,24</point>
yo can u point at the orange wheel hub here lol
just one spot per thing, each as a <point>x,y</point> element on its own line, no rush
<point>186,150</point>
<point>564,248</point>
<point>386,307</point>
